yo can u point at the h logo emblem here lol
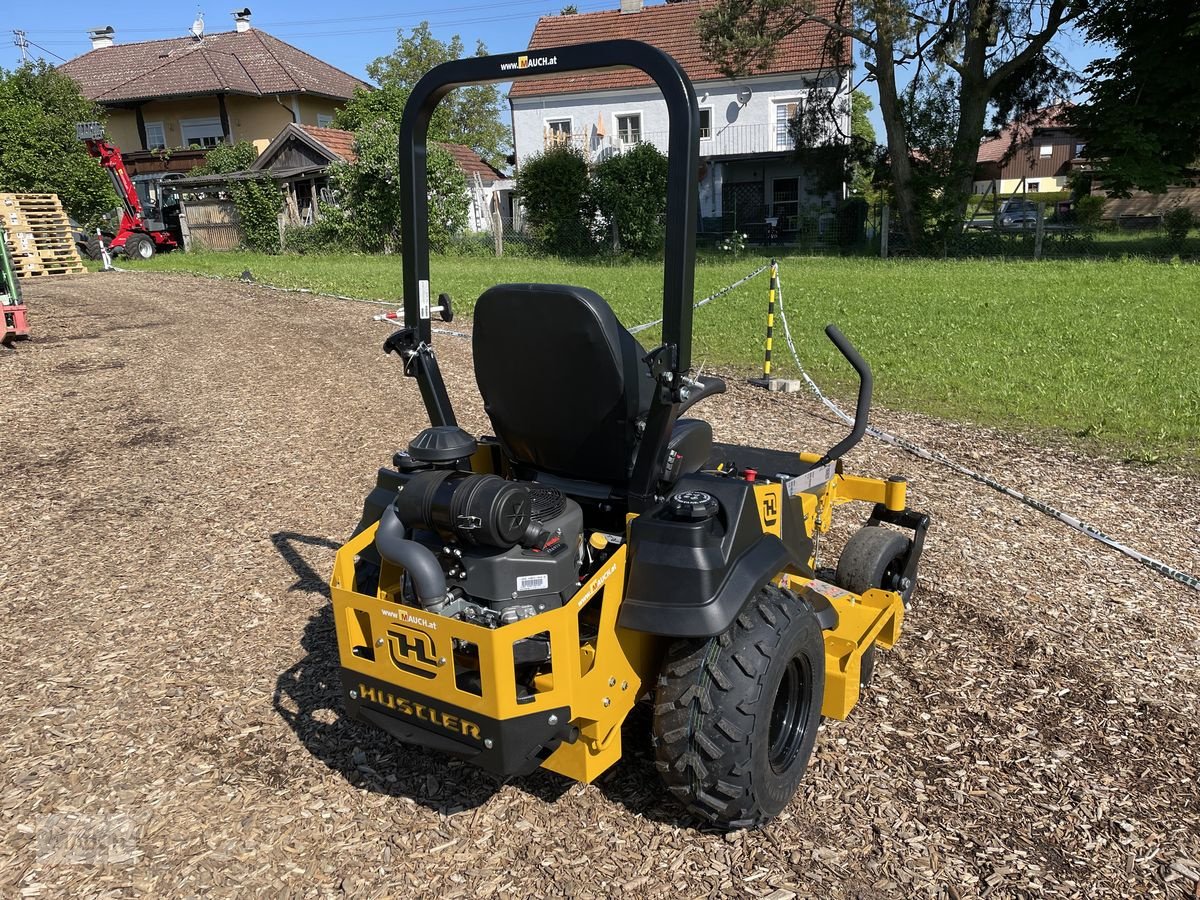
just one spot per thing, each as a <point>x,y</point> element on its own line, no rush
<point>412,651</point>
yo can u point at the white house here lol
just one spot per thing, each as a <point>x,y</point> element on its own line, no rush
<point>748,173</point>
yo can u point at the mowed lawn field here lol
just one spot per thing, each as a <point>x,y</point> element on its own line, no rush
<point>1102,351</point>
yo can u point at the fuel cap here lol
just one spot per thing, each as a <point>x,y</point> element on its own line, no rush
<point>693,505</point>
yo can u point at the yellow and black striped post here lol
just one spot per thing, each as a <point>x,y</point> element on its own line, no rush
<point>770,320</point>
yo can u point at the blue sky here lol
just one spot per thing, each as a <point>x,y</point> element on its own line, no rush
<point>349,40</point>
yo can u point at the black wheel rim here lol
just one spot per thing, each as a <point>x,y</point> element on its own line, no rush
<point>893,574</point>
<point>789,714</point>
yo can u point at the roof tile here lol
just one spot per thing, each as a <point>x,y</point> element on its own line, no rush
<point>672,27</point>
<point>341,143</point>
<point>250,62</point>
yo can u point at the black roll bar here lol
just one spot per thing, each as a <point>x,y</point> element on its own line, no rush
<point>680,256</point>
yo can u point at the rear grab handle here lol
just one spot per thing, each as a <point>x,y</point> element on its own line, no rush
<point>862,409</point>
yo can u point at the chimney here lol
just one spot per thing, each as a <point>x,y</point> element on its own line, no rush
<point>631,6</point>
<point>241,19</point>
<point>101,37</point>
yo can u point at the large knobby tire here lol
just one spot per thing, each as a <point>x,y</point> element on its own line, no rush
<point>736,716</point>
<point>93,248</point>
<point>139,246</point>
<point>873,558</point>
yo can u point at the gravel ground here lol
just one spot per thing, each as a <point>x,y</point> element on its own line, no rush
<point>179,459</point>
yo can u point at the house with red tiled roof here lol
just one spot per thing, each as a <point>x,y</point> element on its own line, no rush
<point>202,89</point>
<point>748,171</point>
<point>1032,155</point>
<point>298,159</point>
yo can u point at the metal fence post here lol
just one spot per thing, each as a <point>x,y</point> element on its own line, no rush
<point>884,228</point>
<point>1039,233</point>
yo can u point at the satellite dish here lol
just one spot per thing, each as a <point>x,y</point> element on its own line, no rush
<point>743,95</point>
<point>198,26</point>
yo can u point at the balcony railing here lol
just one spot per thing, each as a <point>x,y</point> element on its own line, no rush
<point>718,141</point>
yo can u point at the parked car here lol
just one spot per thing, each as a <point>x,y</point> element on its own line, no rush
<point>1017,213</point>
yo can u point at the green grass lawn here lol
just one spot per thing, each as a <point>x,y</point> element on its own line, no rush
<point>1103,350</point>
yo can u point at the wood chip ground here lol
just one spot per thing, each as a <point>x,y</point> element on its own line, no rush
<point>179,457</point>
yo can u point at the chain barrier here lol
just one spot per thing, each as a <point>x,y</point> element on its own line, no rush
<point>709,299</point>
<point>1067,519</point>
<point>396,318</point>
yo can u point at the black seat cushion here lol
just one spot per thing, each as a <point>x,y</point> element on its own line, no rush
<point>563,382</point>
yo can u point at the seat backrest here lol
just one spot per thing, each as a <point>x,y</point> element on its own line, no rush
<point>561,379</point>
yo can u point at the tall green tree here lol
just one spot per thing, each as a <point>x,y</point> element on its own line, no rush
<point>39,152</point>
<point>964,55</point>
<point>467,115</point>
<point>1141,119</point>
<point>862,137</point>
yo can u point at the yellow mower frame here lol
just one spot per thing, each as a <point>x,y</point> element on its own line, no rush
<point>598,681</point>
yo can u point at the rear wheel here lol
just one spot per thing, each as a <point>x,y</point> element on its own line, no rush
<point>92,246</point>
<point>139,246</point>
<point>873,558</point>
<point>736,716</point>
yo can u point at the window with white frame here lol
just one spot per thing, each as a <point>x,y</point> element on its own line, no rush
<point>1045,150</point>
<point>1032,186</point>
<point>204,132</point>
<point>785,111</point>
<point>324,121</point>
<point>558,131</point>
<point>629,128</point>
<point>706,124</point>
<point>156,136</point>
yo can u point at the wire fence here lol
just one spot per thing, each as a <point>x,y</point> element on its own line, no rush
<point>854,228</point>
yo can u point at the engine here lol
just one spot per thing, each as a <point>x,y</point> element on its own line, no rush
<point>478,547</point>
<point>508,550</point>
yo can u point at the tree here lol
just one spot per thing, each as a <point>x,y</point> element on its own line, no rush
<point>631,192</point>
<point>863,154</point>
<point>368,189</point>
<point>39,152</point>
<point>468,115</point>
<point>1141,120</point>
<point>964,56</point>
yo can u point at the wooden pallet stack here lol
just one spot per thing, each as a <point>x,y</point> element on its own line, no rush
<point>40,242</point>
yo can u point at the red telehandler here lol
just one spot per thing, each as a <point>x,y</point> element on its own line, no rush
<point>141,233</point>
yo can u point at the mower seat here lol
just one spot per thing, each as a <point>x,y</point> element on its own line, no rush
<point>563,382</point>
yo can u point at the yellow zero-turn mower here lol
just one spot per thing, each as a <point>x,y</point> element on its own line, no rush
<point>510,598</point>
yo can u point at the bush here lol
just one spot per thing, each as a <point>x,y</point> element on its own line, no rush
<point>258,203</point>
<point>331,233</point>
<point>556,190</point>
<point>225,158</point>
<point>631,192</point>
<point>1089,209</point>
<point>1177,223</point>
